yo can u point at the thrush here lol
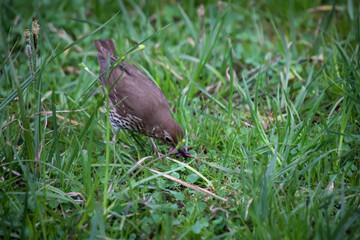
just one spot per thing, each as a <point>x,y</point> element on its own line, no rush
<point>135,102</point>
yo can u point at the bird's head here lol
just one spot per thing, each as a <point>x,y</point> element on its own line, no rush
<point>172,134</point>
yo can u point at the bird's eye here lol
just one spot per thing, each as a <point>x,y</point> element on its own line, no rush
<point>167,139</point>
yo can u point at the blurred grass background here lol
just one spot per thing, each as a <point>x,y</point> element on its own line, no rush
<point>266,91</point>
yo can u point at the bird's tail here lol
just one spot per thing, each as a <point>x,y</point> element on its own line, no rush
<point>106,47</point>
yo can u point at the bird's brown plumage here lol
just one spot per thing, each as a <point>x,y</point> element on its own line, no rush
<point>135,99</point>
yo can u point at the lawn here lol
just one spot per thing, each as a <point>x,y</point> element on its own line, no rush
<point>267,92</point>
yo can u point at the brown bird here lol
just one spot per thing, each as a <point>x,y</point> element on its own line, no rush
<point>136,103</point>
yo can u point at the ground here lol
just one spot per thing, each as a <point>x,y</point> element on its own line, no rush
<point>267,93</point>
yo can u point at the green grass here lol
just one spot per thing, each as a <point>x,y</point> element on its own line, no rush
<point>268,94</point>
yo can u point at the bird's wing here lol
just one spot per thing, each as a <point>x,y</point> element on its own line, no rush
<point>139,96</point>
<point>132,93</point>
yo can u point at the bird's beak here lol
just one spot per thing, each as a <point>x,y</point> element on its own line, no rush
<point>184,153</point>
<point>181,152</point>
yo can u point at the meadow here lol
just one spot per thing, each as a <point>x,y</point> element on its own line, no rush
<point>267,92</point>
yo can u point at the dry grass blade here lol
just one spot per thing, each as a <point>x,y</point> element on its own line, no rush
<point>44,113</point>
<point>325,8</point>
<point>168,68</point>
<point>193,170</point>
<point>191,186</point>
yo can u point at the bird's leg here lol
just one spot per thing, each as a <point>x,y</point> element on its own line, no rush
<point>113,139</point>
<point>153,145</point>
<point>154,148</point>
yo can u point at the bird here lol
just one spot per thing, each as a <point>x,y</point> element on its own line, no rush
<point>135,102</point>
